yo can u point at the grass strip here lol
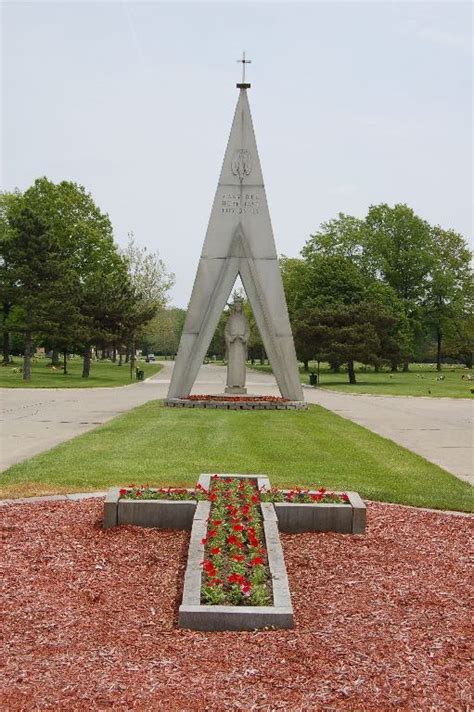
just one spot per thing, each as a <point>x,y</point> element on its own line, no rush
<point>171,446</point>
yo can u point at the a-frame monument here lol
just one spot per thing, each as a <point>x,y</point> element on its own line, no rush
<point>239,241</point>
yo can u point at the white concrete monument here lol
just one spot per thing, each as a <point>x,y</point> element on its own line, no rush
<point>239,241</point>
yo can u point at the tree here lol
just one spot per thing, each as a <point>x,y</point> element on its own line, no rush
<point>345,333</point>
<point>162,334</point>
<point>344,236</point>
<point>450,287</point>
<point>458,337</point>
<point>149,283</point>
<point>6,284</point>
<point>36,273</point>
<point>340,313</point>
<point>83,237</point>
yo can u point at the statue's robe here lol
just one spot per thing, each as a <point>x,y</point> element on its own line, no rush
<point>237,332</point>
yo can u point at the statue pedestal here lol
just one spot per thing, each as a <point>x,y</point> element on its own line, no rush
<point>235,389</point>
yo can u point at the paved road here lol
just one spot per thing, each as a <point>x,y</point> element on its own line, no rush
<point>34,420</point>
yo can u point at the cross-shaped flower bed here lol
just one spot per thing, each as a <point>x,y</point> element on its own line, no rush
<point>235,577</point>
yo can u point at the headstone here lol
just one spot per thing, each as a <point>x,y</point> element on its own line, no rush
<point>239,241</point>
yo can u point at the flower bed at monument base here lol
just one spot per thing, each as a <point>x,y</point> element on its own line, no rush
<point>236,402</point>
<point>232,399</point>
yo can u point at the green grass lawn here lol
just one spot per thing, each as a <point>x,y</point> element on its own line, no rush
<point>172,446</point>
<point>103,373</point>
<point>421,380</point>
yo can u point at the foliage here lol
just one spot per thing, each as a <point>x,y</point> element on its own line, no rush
<point>449,296</point>
<point>162,334</point>
<point>426,267</point>
<point>63,281</point>
<point>340,313</point>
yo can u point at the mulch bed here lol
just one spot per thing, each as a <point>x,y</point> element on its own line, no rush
<point>90,619</point>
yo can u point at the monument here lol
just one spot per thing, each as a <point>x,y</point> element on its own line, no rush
<point>237,333</point>
<point>239,241</point>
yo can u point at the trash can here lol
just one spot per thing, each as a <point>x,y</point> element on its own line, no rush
<point>140,374</point>
<point>313,379</point>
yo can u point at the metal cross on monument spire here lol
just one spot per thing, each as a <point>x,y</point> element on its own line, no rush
<point>243,61</point>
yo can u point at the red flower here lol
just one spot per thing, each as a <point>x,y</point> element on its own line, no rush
<point>245,588</point>
<point>345,497</point>
<point>233,541</point>
<point>238,557</point>
<point>211,533</point>
<point>236,578</point>
<point>238,528</point>
<point>256,561</point>
<point>209,568</point>
<point>123,492</point>
<point>213,582</point>
<point>138,493</point>
<point>215,550</point>
<point>204,541</point>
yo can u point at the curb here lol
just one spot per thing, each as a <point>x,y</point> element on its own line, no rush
<point>74,497</point>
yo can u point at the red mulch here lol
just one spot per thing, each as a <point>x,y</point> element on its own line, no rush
<point>90,619</point>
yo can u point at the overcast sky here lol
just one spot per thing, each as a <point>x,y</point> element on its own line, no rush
<point>353,104</point>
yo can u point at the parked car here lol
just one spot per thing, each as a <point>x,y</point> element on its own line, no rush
<point>150,358</point>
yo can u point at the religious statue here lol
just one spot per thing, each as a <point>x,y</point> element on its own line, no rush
<point>237,332</point>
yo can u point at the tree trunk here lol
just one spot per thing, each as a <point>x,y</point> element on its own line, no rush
<point>120,357</point>
<point>262,357</point>
<point>6,348</point>
<point>306,365</point>
<point>406,365</point>
<point>86,364</point>
<point>132,360</point>
<point>114,354</point>
<point>65,362</point>
<point>394,367</point>
<point>27,356</point>
<point>55,358</point>
<point>351,372</point>
<point>439,340</point>
<point>6,336</point>
<point>127,355</point>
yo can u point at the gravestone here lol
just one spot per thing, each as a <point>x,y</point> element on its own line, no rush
<point>239,242</point>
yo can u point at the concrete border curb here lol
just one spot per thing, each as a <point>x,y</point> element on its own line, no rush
<point>195,616</point>
<point>73,497</point>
